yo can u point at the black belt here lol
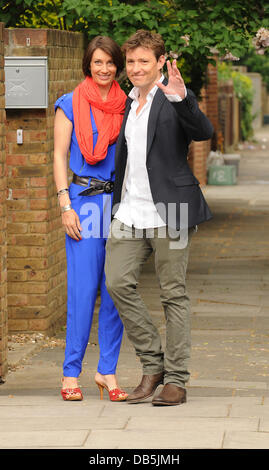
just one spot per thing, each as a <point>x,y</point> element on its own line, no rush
<point>96,186</point>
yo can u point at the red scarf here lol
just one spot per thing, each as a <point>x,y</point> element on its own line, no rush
<point>108,116</point>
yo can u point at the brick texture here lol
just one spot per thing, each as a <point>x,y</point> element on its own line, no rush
<point>199,151</point>
<point>3,224</point>
<point>212,101</point>
<point>36,251</point>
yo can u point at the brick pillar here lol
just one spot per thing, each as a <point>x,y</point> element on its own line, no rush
<point>3,221</point>
<point>212,101</point>
<point>36,253</point>
<point>199,150</point>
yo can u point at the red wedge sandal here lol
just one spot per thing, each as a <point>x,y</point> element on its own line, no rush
<point>114,395</point>
<point>71,394</point>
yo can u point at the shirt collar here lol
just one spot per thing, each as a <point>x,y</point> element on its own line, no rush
<point>134,93</point>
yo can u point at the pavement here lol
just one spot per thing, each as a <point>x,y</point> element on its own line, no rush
<point>228,392</point>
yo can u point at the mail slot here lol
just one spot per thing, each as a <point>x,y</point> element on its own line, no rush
<point>26,82</point>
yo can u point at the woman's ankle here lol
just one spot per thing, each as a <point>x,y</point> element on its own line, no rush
<point>108,379</point>
<point>70,382</point>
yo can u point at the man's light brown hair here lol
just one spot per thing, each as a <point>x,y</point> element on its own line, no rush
<point>146,39</point>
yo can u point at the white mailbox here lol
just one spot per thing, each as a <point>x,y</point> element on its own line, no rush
<point>26,82</point>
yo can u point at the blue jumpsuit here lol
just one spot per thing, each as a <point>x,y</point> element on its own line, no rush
<point>85,262</point>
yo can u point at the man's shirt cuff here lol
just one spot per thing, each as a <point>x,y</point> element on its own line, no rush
<point>176,98</point>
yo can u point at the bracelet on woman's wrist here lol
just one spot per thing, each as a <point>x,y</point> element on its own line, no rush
<point>62,191</point>
<point>66,208</point>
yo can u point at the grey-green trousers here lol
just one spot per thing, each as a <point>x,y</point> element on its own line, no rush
<point>127,249</point>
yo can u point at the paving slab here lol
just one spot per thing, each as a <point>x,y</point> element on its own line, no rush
<point>258,411</point>
<point>246,440</point>
<point>264,425</point>
<point>62,423</point>
<point>244,401</point>
<point>42,439</point>
<point>78,409</point>
<point>204,425</point>
<point>131,439</point>
<point>229,384</point>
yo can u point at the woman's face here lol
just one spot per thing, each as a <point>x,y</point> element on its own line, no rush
<point>102,68</point>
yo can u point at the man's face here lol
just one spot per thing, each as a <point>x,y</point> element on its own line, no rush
<point>142,67</point>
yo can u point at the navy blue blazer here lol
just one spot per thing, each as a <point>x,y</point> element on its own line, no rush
<point>171,128</point>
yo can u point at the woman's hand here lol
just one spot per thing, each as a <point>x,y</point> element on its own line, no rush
<point>71,223</point>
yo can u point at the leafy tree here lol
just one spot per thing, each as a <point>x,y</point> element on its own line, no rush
<point>192,29</point>
<point>32,14</point>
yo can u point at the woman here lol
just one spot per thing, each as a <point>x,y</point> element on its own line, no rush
<point>87,122</point>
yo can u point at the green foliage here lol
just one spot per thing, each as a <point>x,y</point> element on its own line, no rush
<point>32,14</point>
<point>259,64</point>
<point>210,24</point>
<point>244,92</point>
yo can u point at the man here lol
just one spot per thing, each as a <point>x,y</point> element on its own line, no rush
<point>152,176</point>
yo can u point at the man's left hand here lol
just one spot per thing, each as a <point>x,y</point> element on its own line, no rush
<point>175,84</point>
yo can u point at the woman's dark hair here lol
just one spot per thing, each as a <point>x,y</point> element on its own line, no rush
<point>107,45</point>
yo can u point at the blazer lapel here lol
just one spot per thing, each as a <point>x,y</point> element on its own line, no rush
<point>157,103</point>
<point>121,138</point>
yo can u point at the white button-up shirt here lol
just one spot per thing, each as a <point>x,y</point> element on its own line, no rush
<point>137,208</point>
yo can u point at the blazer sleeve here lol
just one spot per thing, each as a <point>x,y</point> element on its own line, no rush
<point>196,125</point>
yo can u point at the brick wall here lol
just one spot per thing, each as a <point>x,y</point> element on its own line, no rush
<point>199,150</point>
<point>209,105</point>
<point>212,101</point>
<point>3,235</point>
<point>36,252</point>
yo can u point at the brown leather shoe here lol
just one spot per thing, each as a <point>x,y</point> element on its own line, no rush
<point>170,395</point>
<point>146,388</point>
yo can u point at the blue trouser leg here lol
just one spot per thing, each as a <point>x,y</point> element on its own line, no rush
<point>109,332</point>
<point>85,272</point>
